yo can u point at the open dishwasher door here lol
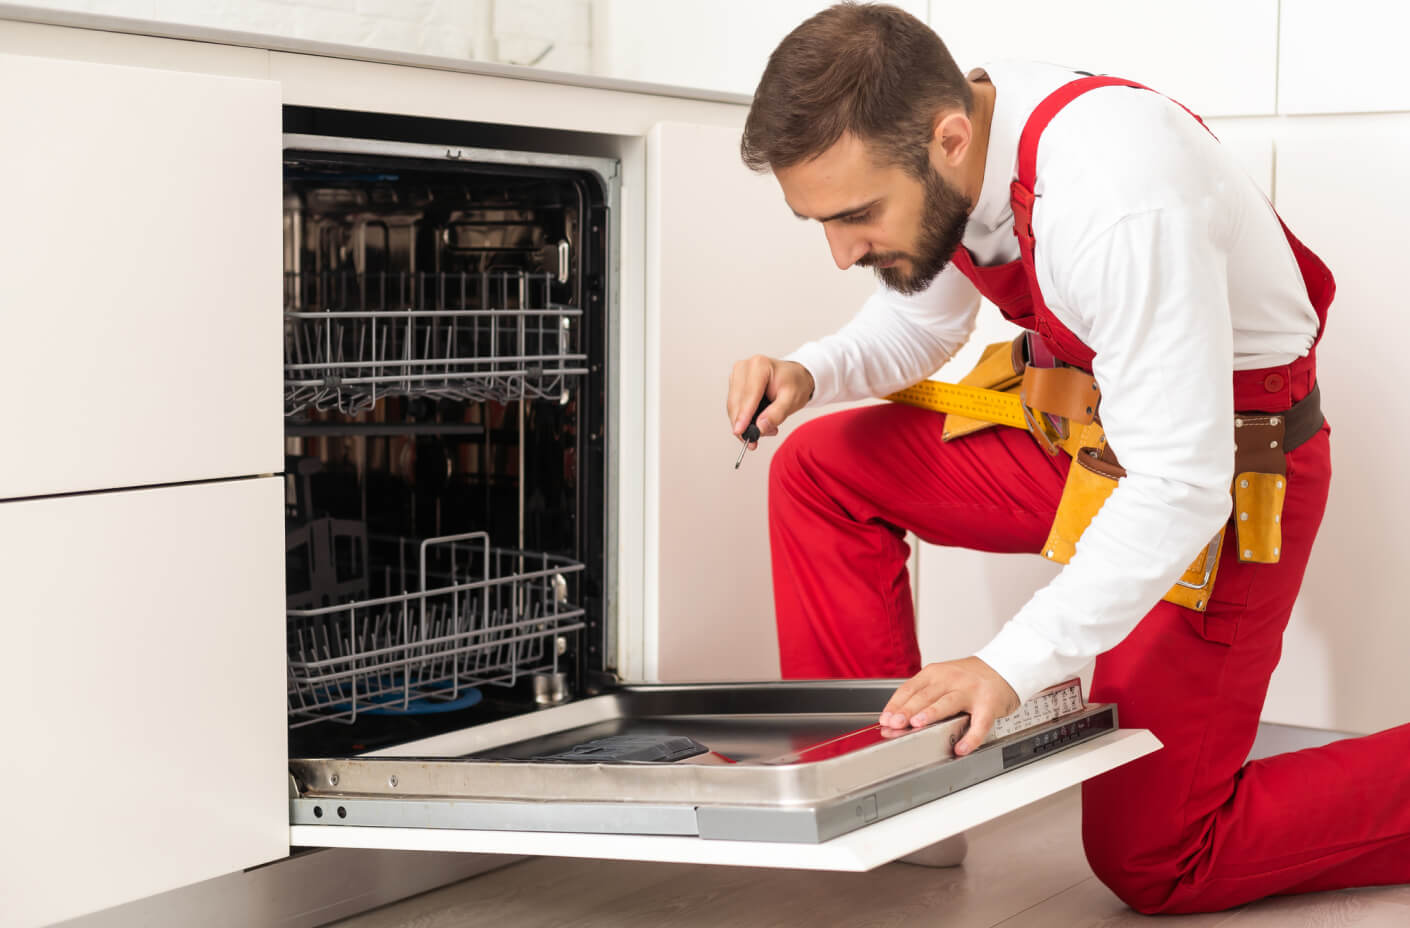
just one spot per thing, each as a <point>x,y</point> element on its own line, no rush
<point>793,774</point>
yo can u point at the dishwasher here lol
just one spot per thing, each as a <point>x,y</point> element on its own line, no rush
<point>448,331</point>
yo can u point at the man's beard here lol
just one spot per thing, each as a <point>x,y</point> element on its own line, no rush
<point>942,223</point>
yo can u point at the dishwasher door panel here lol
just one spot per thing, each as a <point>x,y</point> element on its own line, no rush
<point>863,849</point>
<point>793,774</point>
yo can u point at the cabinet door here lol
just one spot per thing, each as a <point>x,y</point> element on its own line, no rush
<point>730,40</point>
<point>141,288</point>
<point>147,748</point>
<point>730,272</point>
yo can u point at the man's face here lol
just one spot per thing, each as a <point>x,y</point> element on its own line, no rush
<point>877,216</point>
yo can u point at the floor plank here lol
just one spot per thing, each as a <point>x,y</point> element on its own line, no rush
<point>524,895</point>
<point>1089,904</point>
<point>1399,895</point>
<point>1322,910</point>
<point>1025,870</point>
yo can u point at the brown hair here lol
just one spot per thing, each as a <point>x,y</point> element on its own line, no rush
<point>872,70</point>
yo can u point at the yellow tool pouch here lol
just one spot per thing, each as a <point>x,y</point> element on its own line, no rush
<point>1057,405</point>
<point>1258,516</point>
<point>1090,480</point>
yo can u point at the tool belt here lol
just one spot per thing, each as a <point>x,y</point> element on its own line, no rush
<point>1019,384</point>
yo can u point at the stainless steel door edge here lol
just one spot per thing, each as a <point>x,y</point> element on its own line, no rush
<point>822,764</point>
<point>679,782</point>
<point>807,767</point>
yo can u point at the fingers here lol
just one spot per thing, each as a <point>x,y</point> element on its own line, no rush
<point>927,697</point>
<point>943,690</point>
<point>947,705</point>
<point>981,719</point>
<point>748,382</point>
<point>787,384</point>
<point>791,385</point>
<point>900,698</point>
<point>770,419</point>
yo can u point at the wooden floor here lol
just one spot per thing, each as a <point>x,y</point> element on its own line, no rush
<point>1025,870</point>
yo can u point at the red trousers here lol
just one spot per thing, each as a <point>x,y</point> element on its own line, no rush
<point>1189,828</point>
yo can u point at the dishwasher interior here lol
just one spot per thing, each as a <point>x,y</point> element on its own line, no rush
<point>445,335</point>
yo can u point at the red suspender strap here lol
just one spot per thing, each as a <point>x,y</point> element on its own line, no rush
<point>1021,191</point>
<point>1253,389</point>
<point>1050,107</point>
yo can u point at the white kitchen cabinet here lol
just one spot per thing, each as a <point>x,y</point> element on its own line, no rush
<point>147,748</point>
<point>1343,58</point>
<point>141,288</point>
<point>1344,652</point>
<point>730,272</point>
<point>1235,45</point>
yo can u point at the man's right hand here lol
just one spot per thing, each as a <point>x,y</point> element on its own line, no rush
<point>786,383</point>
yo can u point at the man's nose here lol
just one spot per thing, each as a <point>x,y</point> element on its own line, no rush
<point>846,246</point>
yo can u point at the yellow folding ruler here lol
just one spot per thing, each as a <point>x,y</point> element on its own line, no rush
<point>974,402</point>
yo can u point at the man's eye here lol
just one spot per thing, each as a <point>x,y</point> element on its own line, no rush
<point>857,217</point>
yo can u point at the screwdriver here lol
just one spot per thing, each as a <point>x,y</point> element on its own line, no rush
<point>751,433</point>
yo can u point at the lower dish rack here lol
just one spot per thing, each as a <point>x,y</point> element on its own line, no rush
<point>478,615</point>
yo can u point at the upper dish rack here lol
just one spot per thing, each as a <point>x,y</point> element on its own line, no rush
<point>352,338</point>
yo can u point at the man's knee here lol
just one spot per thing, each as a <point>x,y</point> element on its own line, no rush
<point>1120,870</point>
<point>797,455</point>
<point>1151,880</point>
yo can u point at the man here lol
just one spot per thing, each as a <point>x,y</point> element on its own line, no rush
<point>1141,253</point>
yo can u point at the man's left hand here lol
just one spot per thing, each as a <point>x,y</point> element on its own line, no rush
<point>949,688</point>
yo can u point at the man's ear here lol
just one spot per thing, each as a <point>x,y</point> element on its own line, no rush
<point>951,138</point>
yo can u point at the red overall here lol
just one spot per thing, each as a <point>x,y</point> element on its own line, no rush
<point>1191,827</point>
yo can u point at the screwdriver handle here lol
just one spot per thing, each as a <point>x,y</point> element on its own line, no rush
<point>751,434</point>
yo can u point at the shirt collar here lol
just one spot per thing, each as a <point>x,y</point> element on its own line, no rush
<point>994,208</point>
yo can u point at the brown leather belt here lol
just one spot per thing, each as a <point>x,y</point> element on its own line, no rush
<point>1262,439</point>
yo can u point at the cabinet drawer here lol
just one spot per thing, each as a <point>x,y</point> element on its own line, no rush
<point>147,747</point>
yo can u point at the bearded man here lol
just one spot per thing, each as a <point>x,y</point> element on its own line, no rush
<point>1107,221</point>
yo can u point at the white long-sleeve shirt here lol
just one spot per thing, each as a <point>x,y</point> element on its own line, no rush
<point>1158,251</point>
